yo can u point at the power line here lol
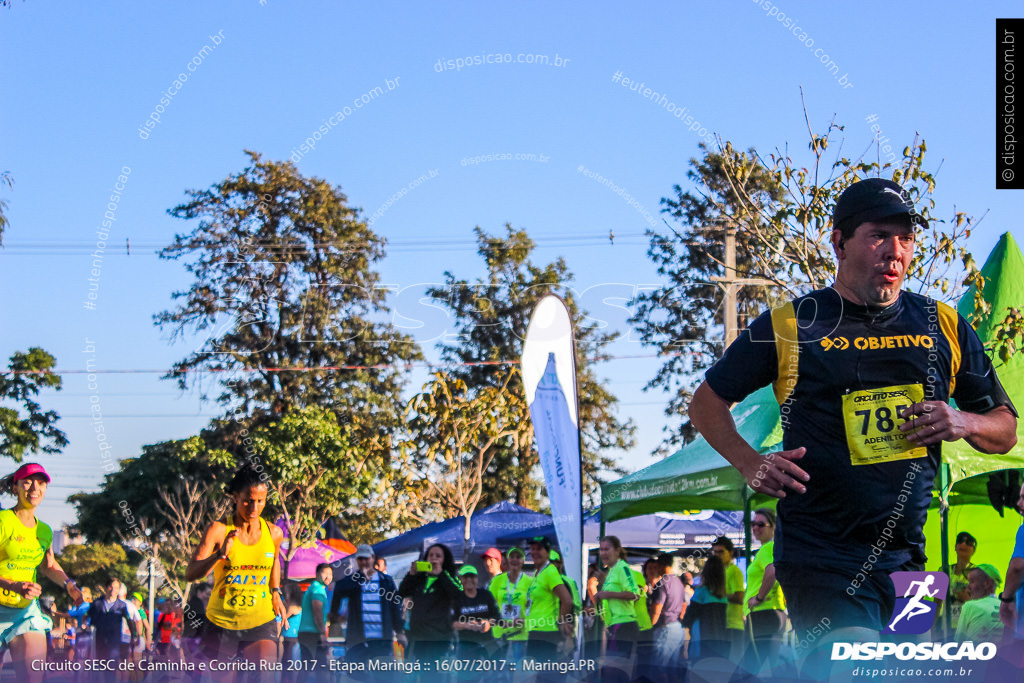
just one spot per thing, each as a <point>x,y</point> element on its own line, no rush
<point>326,368</point>
<point>392,246</point>
<point>77,394</point>
<point>156,415</point>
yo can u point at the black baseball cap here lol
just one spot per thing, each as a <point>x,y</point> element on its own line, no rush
<point>871,200</point>
<point>542,541</point>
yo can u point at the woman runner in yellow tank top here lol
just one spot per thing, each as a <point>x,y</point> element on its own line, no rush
<point>242,551</point>
<point>24,551</point>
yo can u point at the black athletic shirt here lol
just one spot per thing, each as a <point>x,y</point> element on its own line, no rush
<point>845,349</point>
<point>482,607</point>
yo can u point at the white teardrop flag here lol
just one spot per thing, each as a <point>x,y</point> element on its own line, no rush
<point>549,377</point>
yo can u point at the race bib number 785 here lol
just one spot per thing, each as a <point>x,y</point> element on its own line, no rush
<point>873,417</point>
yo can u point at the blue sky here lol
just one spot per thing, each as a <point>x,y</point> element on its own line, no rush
<point>81,79</point>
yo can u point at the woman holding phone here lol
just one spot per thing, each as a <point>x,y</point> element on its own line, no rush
<point>434,589</point>
<point>24,551</point>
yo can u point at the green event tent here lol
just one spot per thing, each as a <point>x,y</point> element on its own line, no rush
<point>697,477</point>
<point>1004,288</point>
<point>963,481</point>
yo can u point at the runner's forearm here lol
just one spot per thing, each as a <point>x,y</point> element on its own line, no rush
<point>199,569</point>
<point>710,414</point>
<point>992,432</point>
<point>8,584</point>
<point>1014,576</point>
<point>767,583</point>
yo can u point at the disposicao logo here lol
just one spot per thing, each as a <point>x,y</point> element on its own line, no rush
<point>921,652</point>
<point>916,593</point>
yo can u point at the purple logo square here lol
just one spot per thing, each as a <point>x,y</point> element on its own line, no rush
<point>916,596</point>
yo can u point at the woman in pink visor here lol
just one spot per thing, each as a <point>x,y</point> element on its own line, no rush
<point>24,551</point>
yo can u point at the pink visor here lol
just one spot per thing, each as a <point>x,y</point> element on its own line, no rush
<point>29,469</point>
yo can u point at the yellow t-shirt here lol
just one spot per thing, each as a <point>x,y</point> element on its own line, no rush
<point>755,575</point>
<point>542,605</point>
<point>22,549</point>
<point>643,617</point>
<point>241,597</point>
<point>511,599</point>
<point>733,583</point>
<point>620,579</point>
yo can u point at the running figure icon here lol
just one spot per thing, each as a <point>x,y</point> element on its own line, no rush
<point>916,606</point>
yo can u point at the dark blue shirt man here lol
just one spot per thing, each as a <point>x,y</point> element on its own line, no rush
<point>374,610</point>
<point>864,374</point>
<point>106,615</point>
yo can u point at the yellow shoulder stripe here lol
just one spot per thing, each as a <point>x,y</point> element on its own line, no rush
<point>787,348</point>
<point>948,321</point>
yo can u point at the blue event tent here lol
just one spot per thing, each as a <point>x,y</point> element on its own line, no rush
<point>500,519</point>
<point>659,530</point>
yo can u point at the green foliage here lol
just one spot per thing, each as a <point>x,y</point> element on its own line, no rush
<point>129,500</point>
<point>91,565</point>
<point>491,316</point>
<point>159,501</point>
<point>781,209</point>
<point>26,428</point>
<point>1008,335</point>
<point>316,471</point>
<point>5,179</point>
<point>683,318</point>
<point>284,278</point>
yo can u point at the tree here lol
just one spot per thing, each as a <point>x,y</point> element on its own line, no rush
<point>131,499</point>
<point>187,509</point>
<point>455,432</point>
<point>35,430</point>
<point>491,316</point>
<point>285,287</point>
<point>8,180</point>
<point>91,565</point>
<point>159,503</point>
<point>314,472</point>
<point>781,211</point>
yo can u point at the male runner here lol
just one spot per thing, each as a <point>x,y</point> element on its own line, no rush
<point>863,373</point>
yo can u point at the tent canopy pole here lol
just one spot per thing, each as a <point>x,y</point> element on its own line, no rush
<point>944,476</point>
<point>747,542</point>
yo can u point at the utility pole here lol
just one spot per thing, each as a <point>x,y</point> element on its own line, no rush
<point>731,285</point>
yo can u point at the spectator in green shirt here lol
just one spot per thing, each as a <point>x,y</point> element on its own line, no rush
<point>959,592</point>
<point>723,549</point>
<point>764,604</point>
<point>549,622</point>
<point>509,590</point>
<point>979,618</point>
<point>619,593</point>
